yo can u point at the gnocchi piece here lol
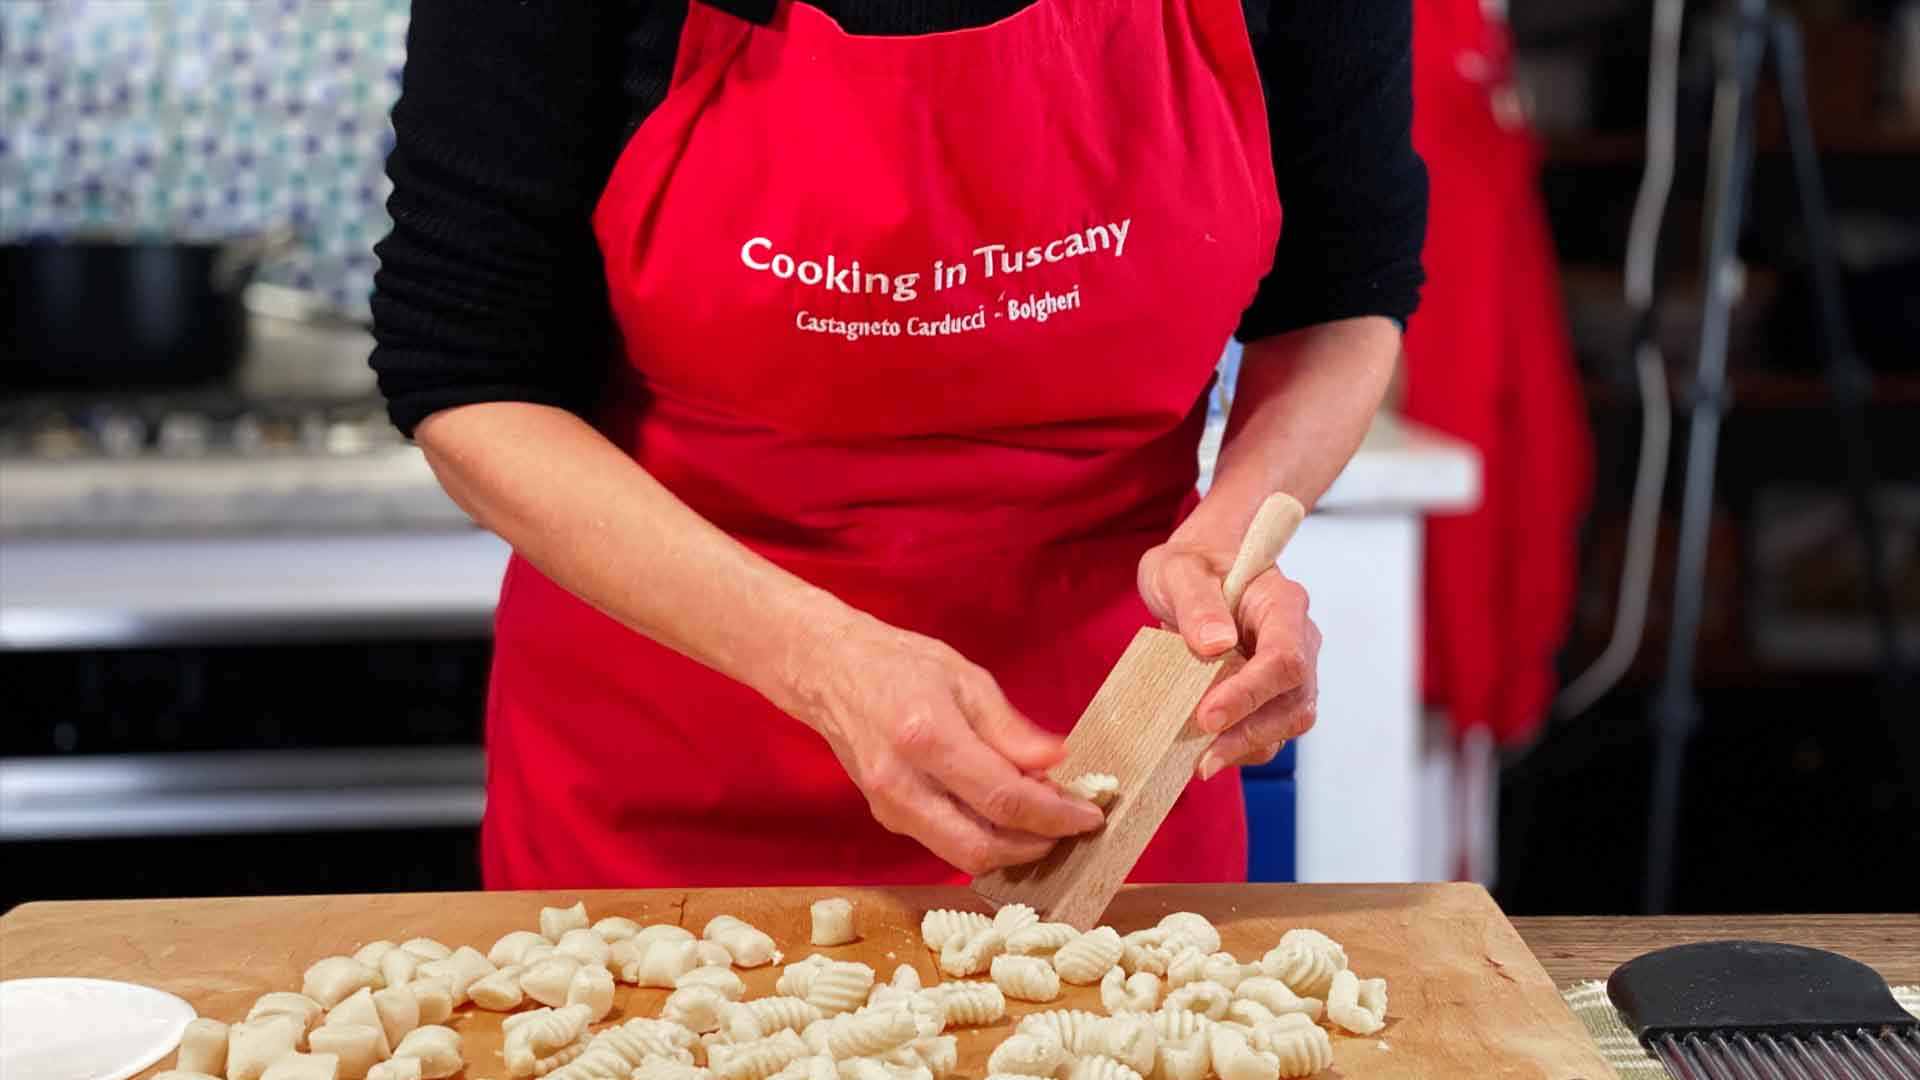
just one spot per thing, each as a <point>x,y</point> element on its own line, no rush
<point>762,1017</point>
<point>1086,959</point>
<point>1014,917</point>
<point>500,991</point>
<point>929,1012</point>
<point>285,1003</point>
<point>1356,1004</point>
<point>616,928</point>
<point>1277,997</point>
<point>547,981</point>
<point>585,946</point>
<point>1305,960</point>
<point>661,964</point>
<point>939,1053</point>
<point>596,1061</point>
<point>1186,966</point>
<point>1248,1013</point>
<point>653,932</point>
<point>203,1047</point>
<point>359,1011</point>
<point>1046,937</point>
<point>1299,1049</point>
<point>1100,1067</point>
<point>540,1041</point>
<point>1222,968</point>
<point>400,967</point>
<point>1183,1059</point>
<point>556,921</point>
<point>461,968</point>
<point>1026,978</point>
<point>1097,788</point>
<point>862,1034</point>
<point>438,1049</point>
<point>758,1059</point>
<point>406,1068</point>
<point>939,927</point>
<point>1173,1024</point>
<point>426,948</point>
<point>839,986</point>
<point>1262,1035</point>
<point>252,1045</point>
<point>1015,1076</point>
<point>294,1065</point>
<point>1120,992</point>
<point>796,977</point>
<point>433,998</point>
<point>1194,930</point>
<point>1208,998</point>
<point>332,980</point>
<point>972,954</point>
<point>357,1047</point>
<point>971,1004</point>
<point>666,1069</point>
<point>399,1011</point>
<point>721,979</point>
<point>1128,1039</point>
<point>372,952</point>
<point>906,977</point>
<point>832,921</point>
<point>711,954</point>
<point>592,987</point>
<point>866,1068</point>
<point>697,1008</point>
<point>1137,957</point>
<point>1031,1053</point>
<point>1068,1027</point>
<point>182,1074</point>
<point>1234,1059</point>
<point>750,948</point>
<point>640,1039</point>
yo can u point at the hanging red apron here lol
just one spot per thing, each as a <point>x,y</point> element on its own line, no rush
<point>928,321</point>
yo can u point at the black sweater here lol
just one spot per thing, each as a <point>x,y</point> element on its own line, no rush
<point>512,112</point>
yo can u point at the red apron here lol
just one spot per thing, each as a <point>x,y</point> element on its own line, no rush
<point>928,321</point>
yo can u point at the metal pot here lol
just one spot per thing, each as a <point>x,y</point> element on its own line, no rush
<point>126,313</point>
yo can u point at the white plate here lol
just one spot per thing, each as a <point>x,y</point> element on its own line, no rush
<point>85,1029</point>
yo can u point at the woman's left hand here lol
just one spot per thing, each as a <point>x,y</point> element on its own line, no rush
<point>1273,696</point>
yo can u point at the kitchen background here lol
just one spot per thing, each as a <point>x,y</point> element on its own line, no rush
<point>244,638</point>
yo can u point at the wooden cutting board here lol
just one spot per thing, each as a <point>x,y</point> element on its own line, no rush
<point>1466,998</point>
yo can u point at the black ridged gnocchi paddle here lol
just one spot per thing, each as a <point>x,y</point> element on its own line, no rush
<point>1757,1010</point>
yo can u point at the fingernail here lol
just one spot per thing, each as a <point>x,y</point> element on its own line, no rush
<point>1216,635</point>
<point>1209,765</point>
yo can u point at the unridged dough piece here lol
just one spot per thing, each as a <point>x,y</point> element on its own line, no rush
<point>1040,938</point>
<point>400,967</point>
<point>183,1074</point>
<point>357,1047</point>
<point>1031,1053</point>
<point>661,963</point>
<point>547,981</point>
<point>294,1065</point>
<point>556,921</point>
<point>1026,978</point>
<point>438,1049</point>
<point>1208,998</point>
<point>461,968</point>
<point>286,1003</point>
<point>973,954</point>
<point>731,986</point>
<point>697,1008</point>
<point>1248,1012</point>
<point>750,947</point>
<point>1234,1059</point>
<point>616,928</point>
<point>203,1047</point>
<point>1086,959</point>
<point>406,1068</point>
<point>371,953</point>
<point>585,946</point>
<point>944,925</point>
<point>832,921</point>
<point>1191,929</point>
<point>331,980</point>
<point>500,991</point>
<point>711,954</point>
<point>840,986</point>
<point>592,987</point>
<point>426,948</point>
<point>1100,1067</point>
<point>1221,967</point>
<point>1097,788</point>
<point>1356,1004</point>
<point>252,1045</point>
<point>1120,992</point>
<point>399,1010</point>
<point>360,1011</point>
<point>434,997</point>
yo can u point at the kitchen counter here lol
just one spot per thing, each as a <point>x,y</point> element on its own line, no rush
<point>1577,948</point>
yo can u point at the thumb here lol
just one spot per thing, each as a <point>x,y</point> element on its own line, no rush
<point>1199,608</point>
<point>1028,746</point>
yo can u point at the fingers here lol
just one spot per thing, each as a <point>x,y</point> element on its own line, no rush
<point>915,807</point>
<point>1257,739</point>
<point>1028,746</point>
<point>954,755</point>
<point>1286,646</point>
<point>1200,612</point>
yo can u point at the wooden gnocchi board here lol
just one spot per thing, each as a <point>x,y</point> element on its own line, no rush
<point>1466,998</point>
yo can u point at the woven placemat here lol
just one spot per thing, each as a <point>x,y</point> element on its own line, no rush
<point>1588,1000</point>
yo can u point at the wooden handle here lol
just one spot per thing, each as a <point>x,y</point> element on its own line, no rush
<point>1273,525</point>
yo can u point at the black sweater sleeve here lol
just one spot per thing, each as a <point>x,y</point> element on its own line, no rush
<point>490,285</point>
<point>1338,76</point>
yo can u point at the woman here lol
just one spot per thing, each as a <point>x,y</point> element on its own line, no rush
<point>917,307</point>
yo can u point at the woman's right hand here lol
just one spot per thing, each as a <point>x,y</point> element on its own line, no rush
<point>939,751</point>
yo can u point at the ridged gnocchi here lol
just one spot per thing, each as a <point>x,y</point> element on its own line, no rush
<point>1356,1004</point>
<point>1086,959</point>
<point>1026,978</point>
